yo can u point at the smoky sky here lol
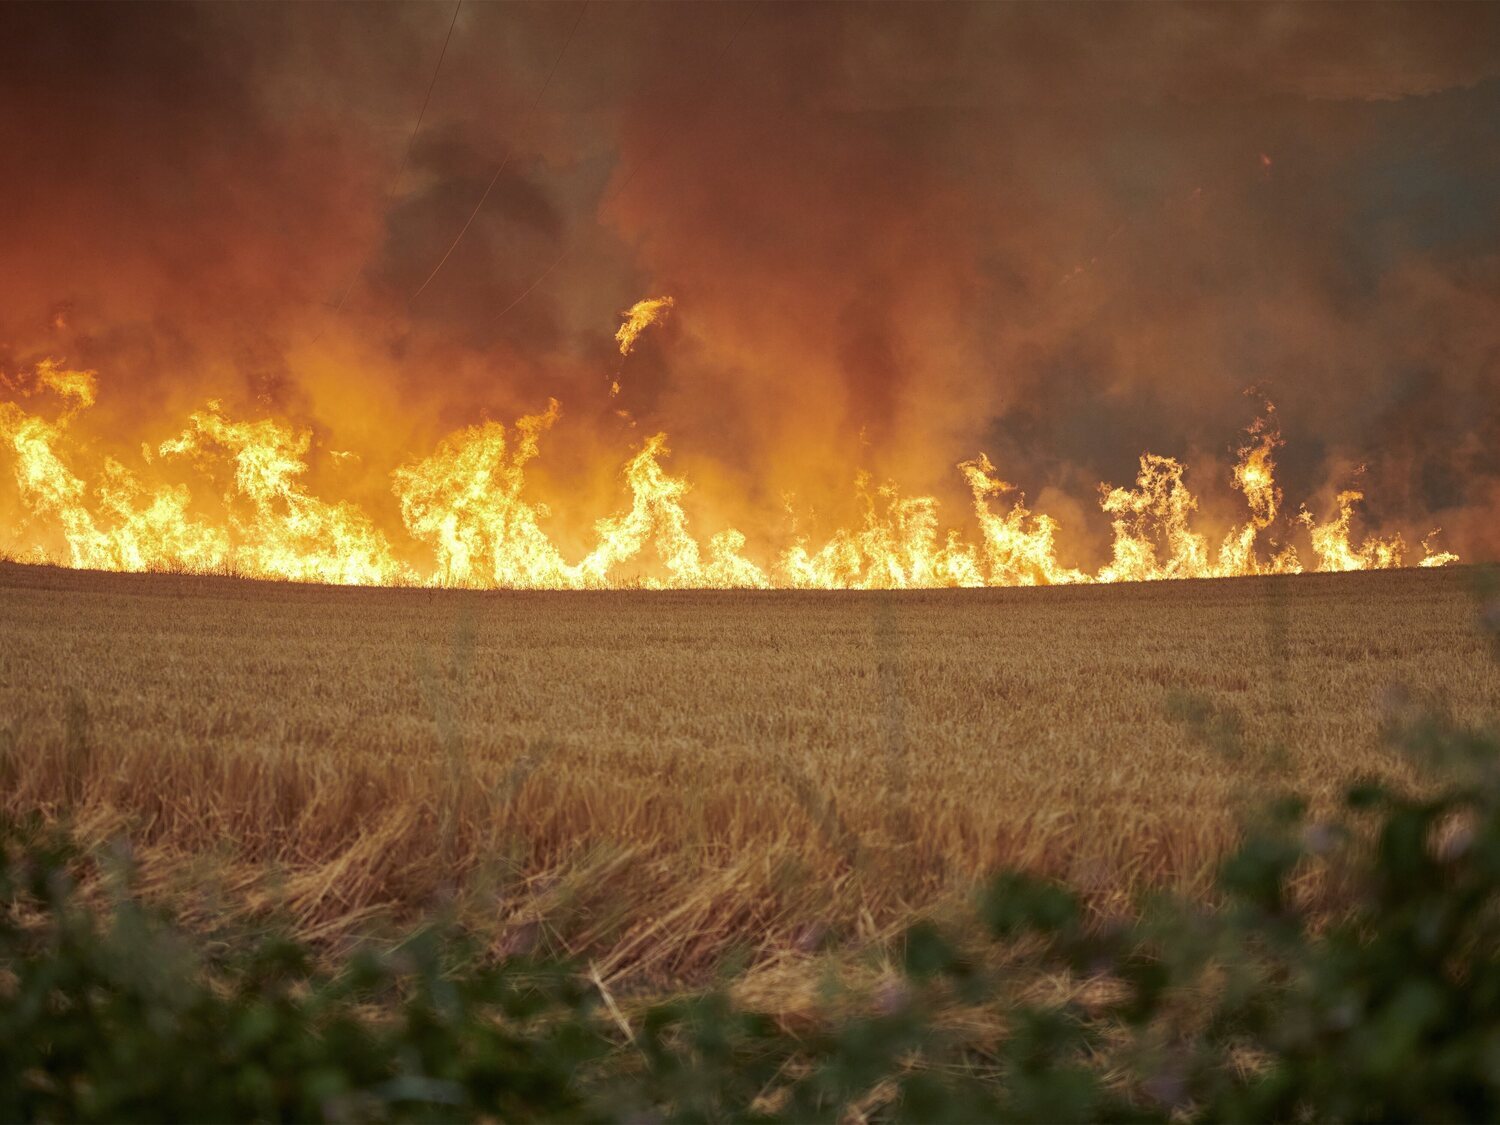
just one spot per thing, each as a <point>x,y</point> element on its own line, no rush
<point>896,235</point>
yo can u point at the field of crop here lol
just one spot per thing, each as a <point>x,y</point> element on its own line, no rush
<point>661,779</point>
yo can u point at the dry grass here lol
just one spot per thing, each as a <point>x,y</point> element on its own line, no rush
<point>658,779</point>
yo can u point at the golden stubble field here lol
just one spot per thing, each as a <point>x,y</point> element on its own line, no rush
<point>658,780</point>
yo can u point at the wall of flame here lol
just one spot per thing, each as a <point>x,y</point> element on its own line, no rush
<point>468,505</point>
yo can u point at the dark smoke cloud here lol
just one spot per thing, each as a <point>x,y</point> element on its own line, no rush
<point>897,235</point>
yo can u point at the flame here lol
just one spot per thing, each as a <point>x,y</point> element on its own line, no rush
<point>1015,554</point>
<point>1332,546</point>
<point>639,317</point>
<point>1154,514</point>
<point>1431,556</point>
<point>79,386</point>
<point>465,501</point>
<point>469,520</point>
<point>656,516</point>
<point>286,531</point>
<point>896,548</point>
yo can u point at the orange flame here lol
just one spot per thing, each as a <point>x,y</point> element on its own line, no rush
<point>466,505</point>
<point>639,317</point>
<point>1331,540</point>
<point>1015,554</point>
<point>286,532</point>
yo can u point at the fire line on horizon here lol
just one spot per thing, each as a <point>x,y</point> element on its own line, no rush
<point>465,503</point>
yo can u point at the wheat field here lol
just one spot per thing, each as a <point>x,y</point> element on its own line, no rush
<point>659,781</point>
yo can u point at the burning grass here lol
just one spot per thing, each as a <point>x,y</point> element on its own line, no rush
<point>658,780</point>
<point>467,505</point>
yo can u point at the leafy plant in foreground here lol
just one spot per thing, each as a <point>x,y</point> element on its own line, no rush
<point>1350,973</point>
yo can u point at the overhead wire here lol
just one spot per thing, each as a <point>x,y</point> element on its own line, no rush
<point>410,146</point>
<point>504,163</point>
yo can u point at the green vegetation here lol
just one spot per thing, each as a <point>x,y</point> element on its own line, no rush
<point>1351,971</point>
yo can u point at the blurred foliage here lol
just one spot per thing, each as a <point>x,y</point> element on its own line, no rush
<point>1349,973</point>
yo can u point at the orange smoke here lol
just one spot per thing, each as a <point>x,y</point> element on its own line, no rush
<point>862,217</point>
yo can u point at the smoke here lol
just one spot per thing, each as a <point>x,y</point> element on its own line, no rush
<point>895,235</point>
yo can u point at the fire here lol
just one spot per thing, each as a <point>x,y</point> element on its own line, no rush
<point>279,528</point>
<point>1331,540</point>
<point>467,518</point>
<point>1014,554</point>
<point>639,317</point>
<point>465,502</point>
<point>896,548</point>
<point>1157,513</point>
<point>1431,556</point>
<point>79,386</point>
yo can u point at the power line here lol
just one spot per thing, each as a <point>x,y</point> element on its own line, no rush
<point>410,145</point>
<point>411,141</point>
<point>504,163</point>
<point>541,277</point>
